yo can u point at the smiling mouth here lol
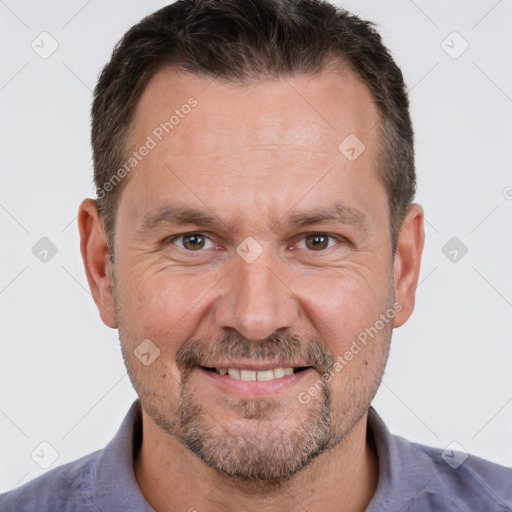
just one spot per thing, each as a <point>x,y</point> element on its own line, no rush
<point>256,375</point>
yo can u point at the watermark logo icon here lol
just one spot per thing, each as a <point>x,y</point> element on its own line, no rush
<point>44,250</point>
<point>44,455</point>
<point>44,45</point>
<point>351,147</point>
<point>454,249</point>
<point>146,352</point>
<point>454,454</point>
<point>249,250</point>
<point>454,45</point>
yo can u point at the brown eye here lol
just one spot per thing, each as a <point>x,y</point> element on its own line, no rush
<point>192,241</point>
<point>317,241</point>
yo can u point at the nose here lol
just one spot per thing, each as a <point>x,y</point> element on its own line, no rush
<point>256,300</point>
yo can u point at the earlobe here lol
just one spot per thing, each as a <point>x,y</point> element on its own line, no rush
<point>407,261</point>
<point>95,256</point>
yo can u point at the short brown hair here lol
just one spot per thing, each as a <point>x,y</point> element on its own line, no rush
<point>243,41</point>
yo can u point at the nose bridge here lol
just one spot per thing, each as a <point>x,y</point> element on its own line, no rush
<point>255,301</point>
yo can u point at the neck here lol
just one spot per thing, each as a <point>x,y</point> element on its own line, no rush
<point>172,478</point>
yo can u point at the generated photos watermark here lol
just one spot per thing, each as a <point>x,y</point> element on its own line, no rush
<point>356,347</point>
<point>152,140</point>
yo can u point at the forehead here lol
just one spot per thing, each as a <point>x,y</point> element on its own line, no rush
<point>261,141</point>
<point>317,111</point>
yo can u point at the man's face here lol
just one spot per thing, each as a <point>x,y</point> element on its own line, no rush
<point>293,295</point>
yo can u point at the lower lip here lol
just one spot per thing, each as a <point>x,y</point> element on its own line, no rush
<point>257,388</point>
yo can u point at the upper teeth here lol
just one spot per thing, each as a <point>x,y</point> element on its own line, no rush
<point>275,373</point>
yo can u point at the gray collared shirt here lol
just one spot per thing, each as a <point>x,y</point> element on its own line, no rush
<point>412,477</point>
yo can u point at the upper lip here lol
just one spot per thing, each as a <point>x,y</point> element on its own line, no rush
<point>255,365</point>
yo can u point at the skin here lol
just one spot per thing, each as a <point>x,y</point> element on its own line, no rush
<point>253,170</point>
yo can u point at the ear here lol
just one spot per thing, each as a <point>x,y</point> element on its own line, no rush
<point>94,249</point>
<point>407,262</point>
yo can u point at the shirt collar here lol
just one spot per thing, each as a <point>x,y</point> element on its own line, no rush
<point>116,486</point>
<point>404,469</point>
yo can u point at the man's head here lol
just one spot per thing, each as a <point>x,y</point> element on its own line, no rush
<point>258,232</point>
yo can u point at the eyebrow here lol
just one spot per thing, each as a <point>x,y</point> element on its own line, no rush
<point>167,216</point>
<point>338,213</point>
<point>180,215</point>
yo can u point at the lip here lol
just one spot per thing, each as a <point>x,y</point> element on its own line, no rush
<point>255,389</point>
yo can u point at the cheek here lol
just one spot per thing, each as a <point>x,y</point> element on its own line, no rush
<point>341,308</point>
<point>164,307</point>
<point>152,298</point>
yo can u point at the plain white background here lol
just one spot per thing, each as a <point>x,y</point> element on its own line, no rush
<point>448,379</point>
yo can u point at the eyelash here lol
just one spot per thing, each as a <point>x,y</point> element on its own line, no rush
<point>172,239</point>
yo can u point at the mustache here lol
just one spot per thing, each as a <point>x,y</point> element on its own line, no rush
<point>197,351</point>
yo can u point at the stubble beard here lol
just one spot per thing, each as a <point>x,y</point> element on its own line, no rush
<point>270,451</point>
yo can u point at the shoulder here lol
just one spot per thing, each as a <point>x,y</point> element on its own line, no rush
<point>64,488</point>
<point>413,477</point>
<point>461,481</point>
<point>101,481</point>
